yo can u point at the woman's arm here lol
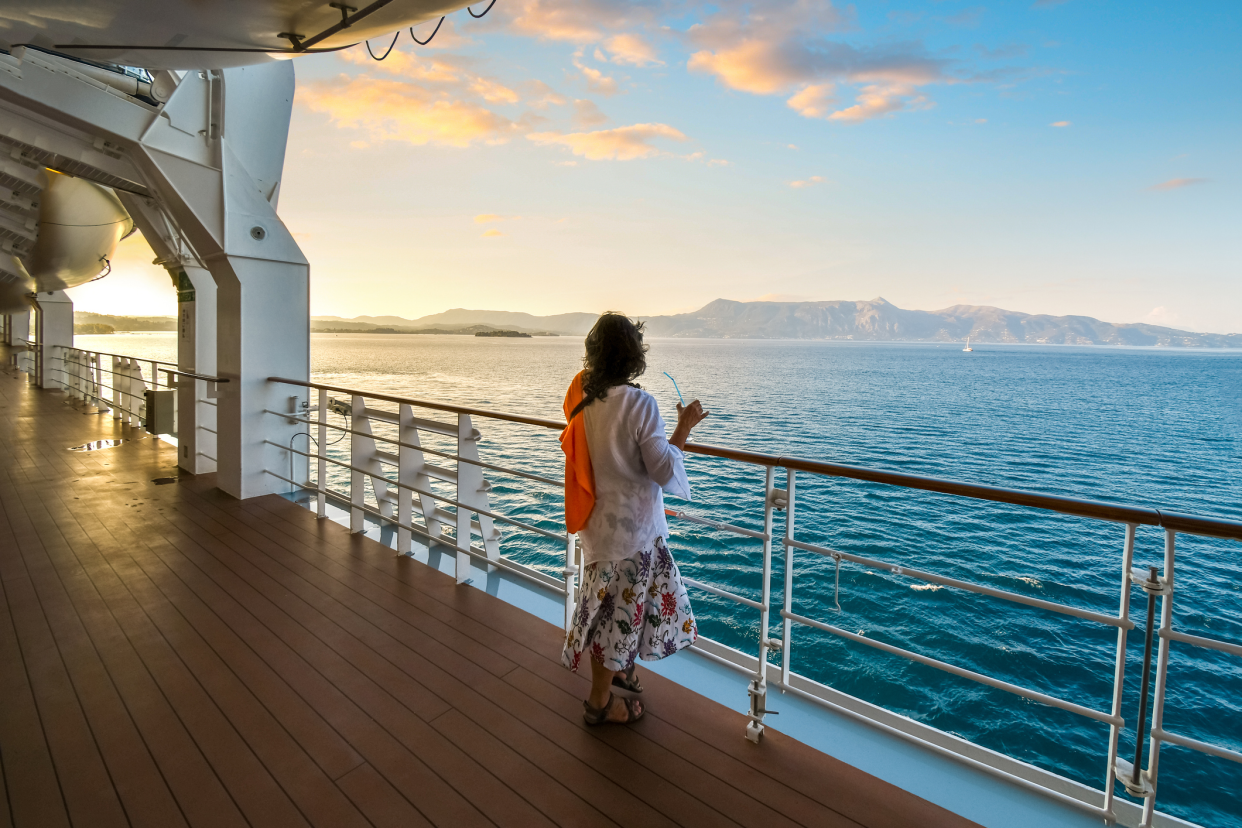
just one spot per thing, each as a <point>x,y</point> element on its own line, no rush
<point>687,418</point>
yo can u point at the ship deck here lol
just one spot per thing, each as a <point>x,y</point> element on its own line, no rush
<point>173,656</point>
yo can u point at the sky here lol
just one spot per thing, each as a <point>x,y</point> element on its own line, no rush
<point>1046,156</point>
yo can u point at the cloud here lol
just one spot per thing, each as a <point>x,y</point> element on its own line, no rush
<point>620,144</point>
<point>388,110</point>
<point>596,80</point>
<point>487,218</point>
<point>813,101</point>
<point>791,52</point>
<point>587,114</point>
<point>493,92</point>
<point>809,182</point>
<point>540,96</point>
<point>577,21</point>
<point>632,50</point>
<point>1177,183</point>
<point>1060,124</point>
<point>439,70</point>
<point>493,233</point>
<point>877,100</point>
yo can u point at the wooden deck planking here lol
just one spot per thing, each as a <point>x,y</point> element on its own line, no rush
<point>173,656</point>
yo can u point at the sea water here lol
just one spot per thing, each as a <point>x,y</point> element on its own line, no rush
<point>1145,427</point>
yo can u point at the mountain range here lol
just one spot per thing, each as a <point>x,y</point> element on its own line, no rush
<point>875,320</point>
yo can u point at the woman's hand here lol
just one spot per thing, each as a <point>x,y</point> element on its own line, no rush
<point>688,416</point>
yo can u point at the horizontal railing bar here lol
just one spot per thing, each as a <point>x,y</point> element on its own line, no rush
<point>502,562</point>
<point>1195,525</point>
<point>996,494</point>
<point>92,381</point>
<point>442,498</point>
<point>1208,643</point>
<point>723,593</point>
<point>946,752</point>
<point>1145,516</point>
<point>118,356</point>
<point>897,569</point>
<point>457,409</point>
<point>550,481</point>
<point>715,524</point>
<point>1195,744</point>
<point>105,369</point>
<point>1034,695</point>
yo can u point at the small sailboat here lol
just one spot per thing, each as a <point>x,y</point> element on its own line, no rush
<point>968,349</point>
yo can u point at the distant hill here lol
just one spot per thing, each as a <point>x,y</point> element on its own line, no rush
<point>457,318</point>
<point>877,320</point>
<point>880,320</point>
<point>126,323</point>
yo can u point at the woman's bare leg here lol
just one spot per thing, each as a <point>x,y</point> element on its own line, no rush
<point>601,688</point>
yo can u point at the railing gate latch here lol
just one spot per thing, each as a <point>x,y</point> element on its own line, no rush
<point>778,499</point>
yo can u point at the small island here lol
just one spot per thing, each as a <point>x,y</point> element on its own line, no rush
<point>503,333</point>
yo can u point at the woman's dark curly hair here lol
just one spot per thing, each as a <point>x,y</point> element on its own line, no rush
<point>615,355</point>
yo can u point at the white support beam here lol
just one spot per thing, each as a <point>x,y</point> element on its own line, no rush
<point>53,335</point>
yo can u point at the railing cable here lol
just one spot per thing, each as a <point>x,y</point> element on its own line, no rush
<point>430,36</point>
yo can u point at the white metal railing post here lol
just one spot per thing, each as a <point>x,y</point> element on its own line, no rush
<point>1119,670</point>
<point>571,579</point>
<point>358,455</point>
<point>137,387</point>
<point>115,383</point>
<point>409,463</point>
<point>321,449</point>
<point>786,623</point>
<point>759,687</point>
<point>1162,669</point>
<point>472,491</point>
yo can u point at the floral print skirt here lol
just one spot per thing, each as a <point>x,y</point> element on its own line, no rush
<point>633,607</point>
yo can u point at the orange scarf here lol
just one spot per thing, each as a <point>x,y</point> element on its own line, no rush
<point>579,476</point>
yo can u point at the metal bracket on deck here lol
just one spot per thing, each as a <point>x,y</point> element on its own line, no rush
<point>758,692</point>
<point>1124,772</point>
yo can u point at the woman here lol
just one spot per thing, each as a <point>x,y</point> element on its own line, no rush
<point>617,460</point>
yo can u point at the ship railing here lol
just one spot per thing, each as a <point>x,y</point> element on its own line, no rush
<point>24,355</point>
<point>388,452</point>
<point>119,383</point>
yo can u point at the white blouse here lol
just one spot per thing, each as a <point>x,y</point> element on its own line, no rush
<point>632,461</point>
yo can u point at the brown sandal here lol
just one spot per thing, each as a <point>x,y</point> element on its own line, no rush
<point>629,685</point>
<point>599,715</point>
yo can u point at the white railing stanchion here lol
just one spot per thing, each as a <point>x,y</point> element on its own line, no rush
<point>118,405</point>
<point>786,624</point>
<point>571,580</point>
<point>321,452</point>
<point>759,687</point>
<point>472,491</point>
<point>1119,669</point>
<point>409,462</point>
<point>357,457</point>
<point>1162,669</point>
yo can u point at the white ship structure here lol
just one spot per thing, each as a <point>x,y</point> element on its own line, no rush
<point>171,117</point>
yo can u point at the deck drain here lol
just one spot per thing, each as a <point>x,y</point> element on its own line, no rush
<point>163,481</point>
<point>96,445</point>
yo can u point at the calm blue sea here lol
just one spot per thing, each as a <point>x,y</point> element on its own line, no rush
<point>1159,428</point>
